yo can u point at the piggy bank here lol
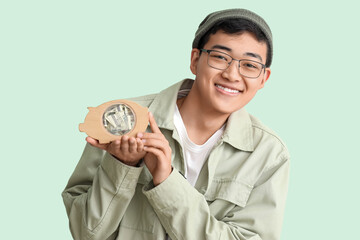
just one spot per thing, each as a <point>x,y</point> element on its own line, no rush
<point>111,120</point>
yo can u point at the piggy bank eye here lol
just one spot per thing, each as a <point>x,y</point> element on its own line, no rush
<point>119,119</point>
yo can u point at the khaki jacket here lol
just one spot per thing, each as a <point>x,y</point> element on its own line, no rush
<point>240,192</point>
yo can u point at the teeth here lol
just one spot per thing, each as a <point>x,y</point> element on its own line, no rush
<point>227,89</point>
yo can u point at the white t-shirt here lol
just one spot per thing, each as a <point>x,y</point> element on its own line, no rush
<point>194,155</point>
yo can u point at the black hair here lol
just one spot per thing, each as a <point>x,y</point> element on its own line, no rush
<point>237,26</point>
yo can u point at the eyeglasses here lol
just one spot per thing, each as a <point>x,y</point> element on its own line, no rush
<point>220,60</point>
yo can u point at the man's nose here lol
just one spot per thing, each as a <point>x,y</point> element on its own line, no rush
<point>232,72</point>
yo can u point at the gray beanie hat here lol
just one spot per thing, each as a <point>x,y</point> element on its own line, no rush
<point>215,17</point>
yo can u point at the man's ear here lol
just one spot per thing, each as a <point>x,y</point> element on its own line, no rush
<point>265,77</point>
<point>195,55</point>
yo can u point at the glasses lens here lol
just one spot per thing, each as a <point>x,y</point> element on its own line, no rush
<point>218,60</point>
<point>250,68</point>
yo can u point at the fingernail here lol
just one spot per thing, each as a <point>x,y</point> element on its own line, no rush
<point>140,135</point>
<point>143,140</point>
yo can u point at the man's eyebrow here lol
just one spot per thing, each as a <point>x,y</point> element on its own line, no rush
<point>221,47</point>
<point>255,55</point>
<point>250,54</point>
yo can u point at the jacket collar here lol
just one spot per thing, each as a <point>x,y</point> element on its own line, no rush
<point>238,131</point>
<point>163,106</point>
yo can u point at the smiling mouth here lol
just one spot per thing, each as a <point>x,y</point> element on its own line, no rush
<point>228,90</point>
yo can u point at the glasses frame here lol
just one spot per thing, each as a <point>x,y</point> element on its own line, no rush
<point>232,59</point>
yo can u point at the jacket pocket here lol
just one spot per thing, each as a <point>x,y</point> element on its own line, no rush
<point>234,191</point>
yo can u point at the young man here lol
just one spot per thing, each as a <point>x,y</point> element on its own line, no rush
<point>206,169</point>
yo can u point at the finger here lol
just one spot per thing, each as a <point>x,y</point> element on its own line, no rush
<point>163,146</point>
<point>140,145</point>
<point>147,135</point>
<point>157,152</point>
<point>95,143</point>
<point>132,145</point>
<point>114,146</point>
<point>154,127</point>
<point>124,146</point>
<point>159,144</point>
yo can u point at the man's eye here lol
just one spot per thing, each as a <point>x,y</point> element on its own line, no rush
<point>220,57</point>
<point>250,65</point>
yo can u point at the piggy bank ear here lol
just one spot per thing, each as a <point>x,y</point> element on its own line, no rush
<point>90,108</point>
<point>82,127</point>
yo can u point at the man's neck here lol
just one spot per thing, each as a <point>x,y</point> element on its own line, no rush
<point>200,123</point>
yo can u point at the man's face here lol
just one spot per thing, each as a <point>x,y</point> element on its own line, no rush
<point>226,91</point>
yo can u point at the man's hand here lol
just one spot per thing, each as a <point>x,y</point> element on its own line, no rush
<point>158,157</point>
<point>127,150</point>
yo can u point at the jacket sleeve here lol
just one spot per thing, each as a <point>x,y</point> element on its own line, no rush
<point>185,213</point>
<point>97,194</point>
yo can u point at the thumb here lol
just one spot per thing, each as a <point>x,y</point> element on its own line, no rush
<point>95,143</point>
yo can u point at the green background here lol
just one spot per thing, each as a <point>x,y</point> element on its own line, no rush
<point>59,57</point>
